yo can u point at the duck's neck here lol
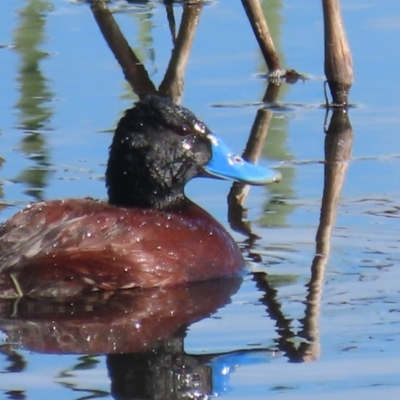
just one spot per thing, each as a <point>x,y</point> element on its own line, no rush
<point>143,199</point>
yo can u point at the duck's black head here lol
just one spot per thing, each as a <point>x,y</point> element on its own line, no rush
<point>158,147</point>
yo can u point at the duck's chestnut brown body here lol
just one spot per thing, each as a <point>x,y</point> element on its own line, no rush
<point>63,247</point>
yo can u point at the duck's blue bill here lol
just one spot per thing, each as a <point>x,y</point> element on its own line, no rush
<point>226,165</point>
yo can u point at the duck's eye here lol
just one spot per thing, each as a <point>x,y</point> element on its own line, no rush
<point>184,130</point>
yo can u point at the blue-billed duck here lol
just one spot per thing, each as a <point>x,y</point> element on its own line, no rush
<point>148,234</point>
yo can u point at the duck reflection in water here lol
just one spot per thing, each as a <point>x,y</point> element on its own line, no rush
<point>148,234</point>
<point>141,332</point>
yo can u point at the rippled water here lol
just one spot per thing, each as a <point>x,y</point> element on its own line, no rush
<point>274,334</point>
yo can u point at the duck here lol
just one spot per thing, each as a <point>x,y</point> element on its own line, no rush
<point>148,234</point>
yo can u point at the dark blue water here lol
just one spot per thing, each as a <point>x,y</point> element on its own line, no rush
<point>62,95</point>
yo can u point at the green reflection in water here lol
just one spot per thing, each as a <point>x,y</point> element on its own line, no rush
<point>32,84</point>
<point>144,49</point>
<point>33,104</point>
<point>272,13</point>
<point>276,142</point>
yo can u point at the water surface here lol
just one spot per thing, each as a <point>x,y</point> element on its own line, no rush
<point>62,95</point>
